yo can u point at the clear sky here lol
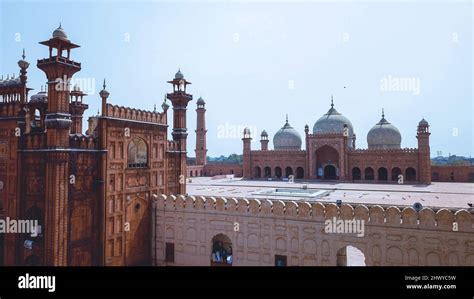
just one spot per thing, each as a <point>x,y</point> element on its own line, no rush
<point>255,62</point>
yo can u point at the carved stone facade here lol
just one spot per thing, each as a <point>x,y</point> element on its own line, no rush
<point>91,193</point>
<point>261,231</point>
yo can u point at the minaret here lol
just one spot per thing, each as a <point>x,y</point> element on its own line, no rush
<point>104,94</point>
<point>424,160</point>
<point>264,141</point>
<point>179,99</point>
<point>59,70</point>
<point>77,108</point>
<point>23,64</point>
<point>201,150</point>
<point>247,162</point>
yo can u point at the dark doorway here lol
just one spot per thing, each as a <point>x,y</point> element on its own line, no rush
<point>410,174</point>
<point>382,174</point>
<point>356,175</point>
<point>330,172</point>
<point>288,171</point>
<point>395,173</point>
<point>278,172</point>
<point>299,173</point>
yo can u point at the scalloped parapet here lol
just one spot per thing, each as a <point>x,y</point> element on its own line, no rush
<point>126,113</point>
<point>443,219</point>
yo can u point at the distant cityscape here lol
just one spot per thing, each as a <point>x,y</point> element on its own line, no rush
<point>452,160</point>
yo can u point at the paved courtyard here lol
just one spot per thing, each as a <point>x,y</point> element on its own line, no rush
<point>436,195</point>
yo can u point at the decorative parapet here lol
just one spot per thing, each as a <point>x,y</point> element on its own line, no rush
<point>443,220</point>
<point>173,146</point>
<point>81,141</point>
<point>273,152</point>
<point>127,113</point>
<point>9,109</point>
<point>383,151</point>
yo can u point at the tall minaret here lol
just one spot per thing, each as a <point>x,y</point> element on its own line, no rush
<point>59,70</point>
<point>264,141</point>
<point>424,160</point>
<point>201,149</point>
<point>247,159</point>
<point>179,99</point>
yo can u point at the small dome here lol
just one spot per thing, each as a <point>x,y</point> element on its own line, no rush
<point>287,139</point>
<point>179,75</point>
<point>41,96</point>
<point>200,101</point>
<point>246,131</point>
<point>333,122</point>
<point>423,122</point>
<point>264,134</point>
<point>60,33</point>
<point>384,135</point>
<point>165,105</point>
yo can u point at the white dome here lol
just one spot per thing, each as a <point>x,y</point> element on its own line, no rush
<point>333,122</point>
<point>287,139</point>
<point>384,135</point>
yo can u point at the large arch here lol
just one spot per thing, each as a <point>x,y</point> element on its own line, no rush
<point>299,172</point>
<point>369,174</point>
<point>382,174</point>
<point>356,174</point>
<point>395,173</point>
<point>288,171</point>
<point>257,172</point>
<point>137,153</point>
<point>350,256</point>
<point>325,156</point>
<point>221,254</point>
<point>278,172</point>
<point>410,174</point>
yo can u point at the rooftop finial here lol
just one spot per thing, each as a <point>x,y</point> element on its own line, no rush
<point>60,25</point>
<point>154,108</point>
<point>104,84</point>
<point>332,102</point>
<point>383,114</point>
<point>23,56</point>
<point>287,118</point>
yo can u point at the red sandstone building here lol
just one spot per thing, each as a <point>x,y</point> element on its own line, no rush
<point>331,154</point>
<point>91,192</point>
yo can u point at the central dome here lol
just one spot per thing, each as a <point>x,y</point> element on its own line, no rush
<point>287,139</point>
<point>384,135</point>
<point>333,122</point>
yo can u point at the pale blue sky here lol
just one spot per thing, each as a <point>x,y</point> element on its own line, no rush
<point>255,62</point>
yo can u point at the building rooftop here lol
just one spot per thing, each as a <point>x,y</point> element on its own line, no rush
<point>437,195</point>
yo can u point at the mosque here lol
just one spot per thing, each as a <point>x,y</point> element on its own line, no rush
<point>331,153</point>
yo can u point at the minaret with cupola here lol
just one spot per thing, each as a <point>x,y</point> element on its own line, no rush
<point>424,160</point>
<point>77,108</point>
<point>201,149</point>
<point>179,100</point>
<point>247,159</point>
<point>59,69</point>
<point>264,141</point>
